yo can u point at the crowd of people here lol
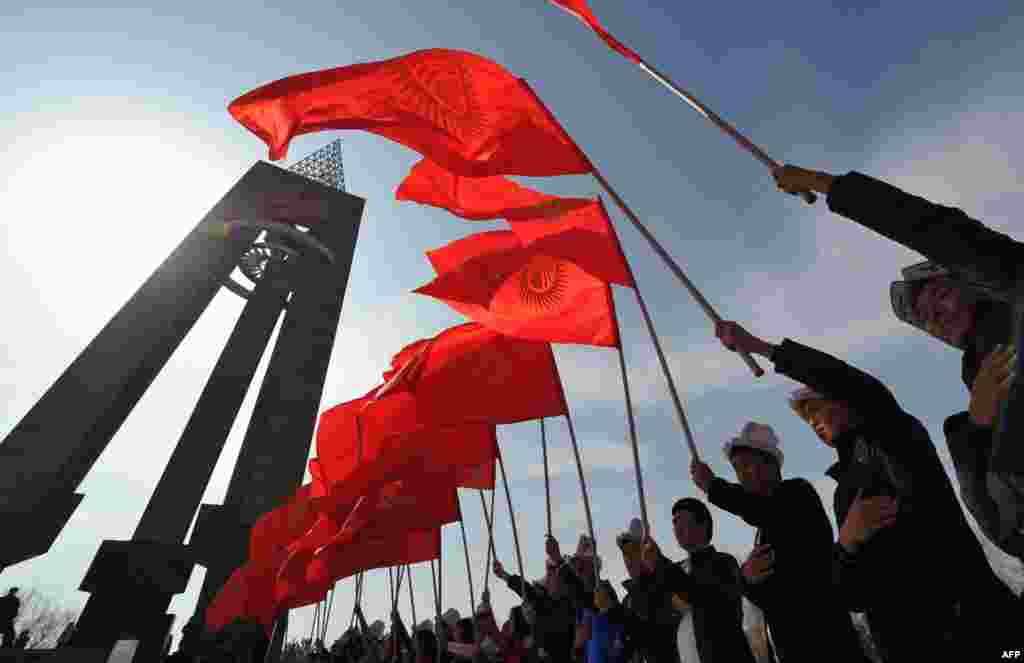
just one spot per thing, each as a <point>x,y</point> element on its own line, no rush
<point>904,554</point>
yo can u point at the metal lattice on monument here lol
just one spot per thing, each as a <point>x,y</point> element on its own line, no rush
<point>324,166</point>
<point>293,235</point>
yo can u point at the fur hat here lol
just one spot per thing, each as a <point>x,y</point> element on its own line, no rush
<point>759,437</point>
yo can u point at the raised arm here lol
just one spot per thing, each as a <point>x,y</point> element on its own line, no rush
<point>943,234</point>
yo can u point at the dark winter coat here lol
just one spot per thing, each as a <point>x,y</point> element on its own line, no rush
<point>554,630</point>
<point>654,634</point>
<point>797,598</point>
<point>9,607</point>
<point>715,590</point>
<point>991,262</point>
<point>975,253</point>
<point>928,564</point>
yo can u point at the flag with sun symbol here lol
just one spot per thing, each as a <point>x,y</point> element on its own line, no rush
<point>462,111</point>
<point>523,290</point>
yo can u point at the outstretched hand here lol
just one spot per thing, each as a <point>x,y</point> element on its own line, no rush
<point>701,474</point>
<point>759,564</point>
<point>499,570</point>
<point>801,181</point>
<point>552,549</point>
<point>737,339</point>
<point>866,517</point>
<point>992,384</point>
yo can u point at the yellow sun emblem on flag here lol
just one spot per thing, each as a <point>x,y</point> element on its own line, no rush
<point>542,282</point>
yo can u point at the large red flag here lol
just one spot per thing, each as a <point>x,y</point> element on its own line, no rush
<point>463,111</point>
<point>337,540</point>
<point>472,373</point>
<point>366,442</point>
<point>278,528</point>
<point>524,292</point>
<point>248,595</point>
<point>479,198</point>
<point>581,10</point>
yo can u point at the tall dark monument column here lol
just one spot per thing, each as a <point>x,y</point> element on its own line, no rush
<point>149,570</point>
<point>49,452</point>
<point>276,447</point>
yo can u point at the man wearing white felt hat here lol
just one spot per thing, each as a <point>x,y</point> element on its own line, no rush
<point>791,563</point>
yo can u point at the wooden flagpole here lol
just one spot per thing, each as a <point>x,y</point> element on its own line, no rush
<point>633,441</point>
<point>511,514</point>
<point>672,265</point>
<point>547,477</point>
<point>658,248</point>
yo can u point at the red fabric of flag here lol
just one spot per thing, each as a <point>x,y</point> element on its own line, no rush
<point>376,531</point>
<point>461,110</point>
<point>277,528</point>
<point>523,292</point>
<point>472,373</point>
<point>581,10</point>
<point>248,595</point>
<point>365,443</point>
<point>479,198</point>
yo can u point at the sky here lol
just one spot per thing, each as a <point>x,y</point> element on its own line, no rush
<point>116,141</point>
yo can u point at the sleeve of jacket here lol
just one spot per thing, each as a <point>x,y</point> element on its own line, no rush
<point>849,579</point>
<point>834,378</point>
<point>945,235</point>
<point>524,589</point>
<point>577,590</point>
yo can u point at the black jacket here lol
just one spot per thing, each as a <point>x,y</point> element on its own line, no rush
<point>975,253</point>
<point>797,598</point>
<point>555,627</point>
<point>654,635</point>
<point>899,571</point>
<point>999,518</point>
<point>715,590</point>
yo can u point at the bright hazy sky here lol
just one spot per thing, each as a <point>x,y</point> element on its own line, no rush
<point>116,141</point>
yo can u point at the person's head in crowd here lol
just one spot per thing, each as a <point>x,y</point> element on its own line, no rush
<point>932,300</point>
<point>585,562</point>
<point>426,646</point>
<point>13,591</point>
<point>631,542</point>
<point>827,417</point>
<point>756,457</point>
<point>692,524</point>
<point>450,618</point>
<point>552,580</point>
<point>464,632</point>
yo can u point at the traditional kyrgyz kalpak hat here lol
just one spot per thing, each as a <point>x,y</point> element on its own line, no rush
<point>756,436</point>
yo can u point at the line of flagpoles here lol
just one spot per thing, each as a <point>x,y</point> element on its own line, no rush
<point>323,610</point>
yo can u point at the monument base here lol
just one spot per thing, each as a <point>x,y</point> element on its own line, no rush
<point>132,584</point>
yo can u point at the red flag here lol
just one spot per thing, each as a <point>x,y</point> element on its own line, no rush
<point>364,443</point>
<point>581,10</point>
<point>463,111</point>
<point>479,198</point>
<point>278,528</point>
<point>375,533</point>
<point>339,539</point>
<point>468,373</point>
<point>523,292</point>
<point>248,595</point>
<point>584,235</point>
